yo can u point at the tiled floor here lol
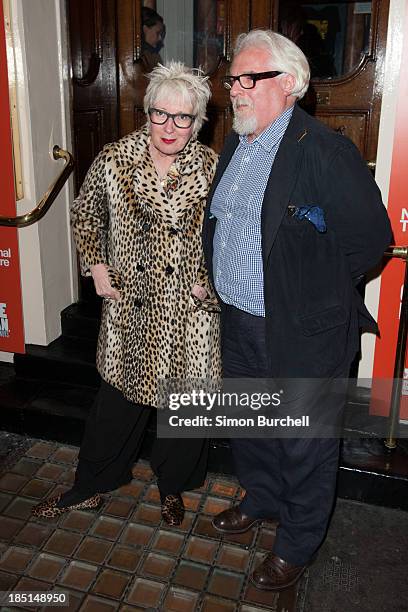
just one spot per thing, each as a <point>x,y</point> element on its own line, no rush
<point>122,556</point>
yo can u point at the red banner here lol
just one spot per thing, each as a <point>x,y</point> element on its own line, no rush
<point>392,278</point>
<point>11,313</point>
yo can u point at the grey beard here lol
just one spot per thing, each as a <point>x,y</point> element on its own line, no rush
<point>244,125</point>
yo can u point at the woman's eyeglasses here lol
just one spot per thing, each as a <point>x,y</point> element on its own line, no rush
<point>181,120</point>
<point>248,81</point>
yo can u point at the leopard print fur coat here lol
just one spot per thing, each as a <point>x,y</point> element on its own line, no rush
<point>149,235</point>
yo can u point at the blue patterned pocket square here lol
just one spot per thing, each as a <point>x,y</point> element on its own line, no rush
<point>314,214</point>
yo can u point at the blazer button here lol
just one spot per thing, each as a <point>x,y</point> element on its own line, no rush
<point>169,270</point>
<point>146,227</point>
<point>138,303</point>
<point>140,267</point>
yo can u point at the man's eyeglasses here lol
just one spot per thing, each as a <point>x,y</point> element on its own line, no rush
<point>248,81</point>
<point>181,120</point>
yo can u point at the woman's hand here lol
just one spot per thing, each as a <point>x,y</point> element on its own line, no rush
<point>199,292</point>
<point>102,284</point>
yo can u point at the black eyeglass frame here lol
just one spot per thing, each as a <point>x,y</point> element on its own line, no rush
<point>173,116</point>
<point>229,80</point>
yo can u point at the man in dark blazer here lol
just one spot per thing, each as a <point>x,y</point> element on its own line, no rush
<point>293,222</point>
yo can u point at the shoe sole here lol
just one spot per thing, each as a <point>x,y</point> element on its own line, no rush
<point>236,531</point>
<point>278,588</point>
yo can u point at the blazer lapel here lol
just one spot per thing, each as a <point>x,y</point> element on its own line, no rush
<point>281,182</point>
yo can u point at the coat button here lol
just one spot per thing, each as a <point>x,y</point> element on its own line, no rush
<point>169,270</point>
<point>173,231</point>
<point>146,227</point>
<point>140,267</point>
<point>138,303</point>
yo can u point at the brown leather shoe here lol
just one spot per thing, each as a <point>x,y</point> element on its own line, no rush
<point>233,521</point>
<point>275,574</point>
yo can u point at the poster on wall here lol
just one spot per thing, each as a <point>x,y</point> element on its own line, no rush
<point>11,314</point>
<point>392,279</point>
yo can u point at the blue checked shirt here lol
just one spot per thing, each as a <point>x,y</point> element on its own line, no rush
<point>237,204</point>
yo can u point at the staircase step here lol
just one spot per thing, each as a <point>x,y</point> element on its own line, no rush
<point>370,473</point>
<point>45,409</point>
<point>64,360</point>
<point>81,320</point>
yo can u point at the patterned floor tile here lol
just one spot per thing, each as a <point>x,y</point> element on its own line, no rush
<point>122,556</point>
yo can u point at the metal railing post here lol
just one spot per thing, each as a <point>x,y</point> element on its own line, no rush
<point>399,364</point>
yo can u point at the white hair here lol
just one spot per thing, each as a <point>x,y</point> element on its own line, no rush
<point>285,56</point>
<point>176,79</point>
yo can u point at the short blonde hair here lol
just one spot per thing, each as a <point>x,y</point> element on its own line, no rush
<point>285,56</point>
<point>175,78</point>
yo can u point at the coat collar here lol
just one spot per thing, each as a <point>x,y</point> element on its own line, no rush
<point>138,176</point>
<point>132,149</point>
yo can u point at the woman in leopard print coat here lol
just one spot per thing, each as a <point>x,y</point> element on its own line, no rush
<point>137,226</point>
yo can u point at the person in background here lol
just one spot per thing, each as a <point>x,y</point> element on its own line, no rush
<point>153,33</point>
<point>293,222</point>
<point>137,226</point>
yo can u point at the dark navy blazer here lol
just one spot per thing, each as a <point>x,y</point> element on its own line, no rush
<point>313,312</point>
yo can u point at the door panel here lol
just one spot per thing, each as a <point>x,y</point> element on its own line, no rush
<point>132,82</point>
<point>92,25</point>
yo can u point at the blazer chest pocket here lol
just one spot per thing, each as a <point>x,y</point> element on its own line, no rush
<point>322,321</point>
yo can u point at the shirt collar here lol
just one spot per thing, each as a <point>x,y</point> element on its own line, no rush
<point>273,133</point>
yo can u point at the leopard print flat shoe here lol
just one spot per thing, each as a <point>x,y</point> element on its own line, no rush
<point>49,509</point>
<point>172,510</point>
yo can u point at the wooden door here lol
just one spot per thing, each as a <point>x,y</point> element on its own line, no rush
<point>109,72</point>
<point>231,16</point>
<point>92,29</point>
<point>92,35</point>
<point>347,97</point>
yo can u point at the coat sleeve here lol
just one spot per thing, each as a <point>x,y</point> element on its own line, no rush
<point>89,216</point>
<point>354,210</point>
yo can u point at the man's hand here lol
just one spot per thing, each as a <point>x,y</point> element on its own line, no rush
<point>199,292</point>
<point>102,284</point>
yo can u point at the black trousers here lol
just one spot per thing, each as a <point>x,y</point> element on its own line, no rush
<point>113,436</point>
<point>290,479</point>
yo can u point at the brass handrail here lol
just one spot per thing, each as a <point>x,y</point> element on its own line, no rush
<point>42,207</point>
<point>402,253</point>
